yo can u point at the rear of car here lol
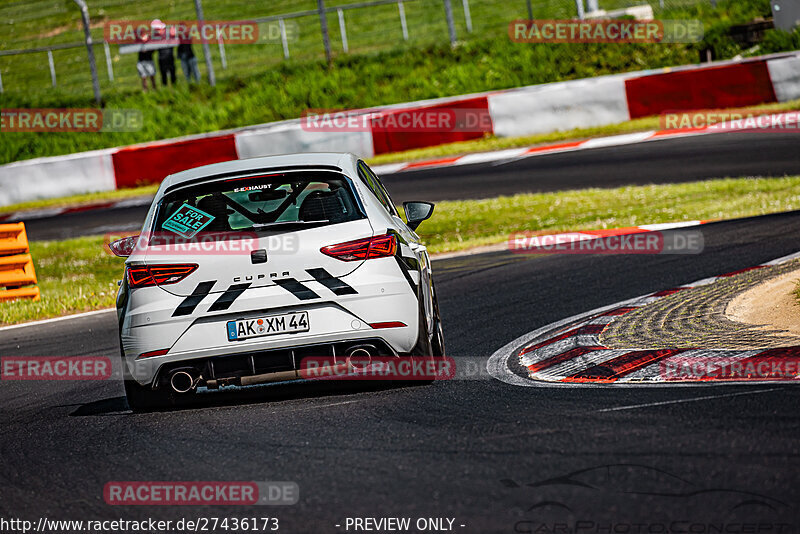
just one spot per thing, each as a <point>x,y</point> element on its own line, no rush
<point>237,278</point>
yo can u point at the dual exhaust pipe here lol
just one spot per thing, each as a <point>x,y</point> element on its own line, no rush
<point>186,380</point>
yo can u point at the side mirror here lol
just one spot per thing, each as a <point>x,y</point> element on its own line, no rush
<point>416,212</point>
<point>123,247</point>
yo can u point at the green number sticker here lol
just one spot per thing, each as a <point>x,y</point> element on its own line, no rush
<point>187,221</point>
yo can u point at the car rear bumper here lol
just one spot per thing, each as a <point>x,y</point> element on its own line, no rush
<point>381,297</point>
<point>246,368</point>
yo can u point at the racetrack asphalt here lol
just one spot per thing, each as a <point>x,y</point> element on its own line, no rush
<point>465,449</point>
<point>719,155</point>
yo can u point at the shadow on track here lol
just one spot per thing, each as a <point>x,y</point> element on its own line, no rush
<point>259,394</point>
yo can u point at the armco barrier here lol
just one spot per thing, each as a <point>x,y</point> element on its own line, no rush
<point>149,164</point>
<point>84,172</point>
<point>285,138</point>
<point>385,140</point>
<point>785,76</point>
<point>559,106</point>
<point>16,264</point>
<point>725,86</point>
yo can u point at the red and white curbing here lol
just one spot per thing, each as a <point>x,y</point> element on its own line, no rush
<point>570,352</point>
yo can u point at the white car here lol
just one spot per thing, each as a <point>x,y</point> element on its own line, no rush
<point>244,268</point>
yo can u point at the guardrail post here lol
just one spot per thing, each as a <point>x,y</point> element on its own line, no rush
<point>89,49</point>
<point>284,40</point>
<point>579,7</point>
<point>323,23</point>
<point>451,25</point>
<point>212,80</point>
<point>342,30</point>
<point>222,57</point>
<point>592,6</point>
<point>52,67</point>
<point>1,81</point>
<point>109,66</point>
<point>530,9</point>
<point>467,16</point>
<point>403,19</point>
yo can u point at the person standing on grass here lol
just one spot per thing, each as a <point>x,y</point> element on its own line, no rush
<point>166,58</point>
<point>146,68</point>
<point>188,62</point>
<point>166,64</point>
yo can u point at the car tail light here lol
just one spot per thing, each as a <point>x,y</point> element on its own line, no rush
<point>389,324</point>
<point>152,353</point>
<point>380,246</point>
<point>158,275</point>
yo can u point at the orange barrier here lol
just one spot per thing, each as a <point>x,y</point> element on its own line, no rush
<point>16,264</point>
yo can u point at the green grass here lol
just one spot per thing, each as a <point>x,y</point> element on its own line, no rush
<point>260,87</point>
<point>289,89</point>
<point>37,23</point>
<point>459,225</point>
<point>79,275</point>
<point>74,275</point>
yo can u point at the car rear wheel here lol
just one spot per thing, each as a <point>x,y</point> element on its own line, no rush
<point>144,398</point>
<point>429,345</point>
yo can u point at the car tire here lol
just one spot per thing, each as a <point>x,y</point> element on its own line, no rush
<point>437,342</point>
<point>429,346</point>
<point>143,398</point>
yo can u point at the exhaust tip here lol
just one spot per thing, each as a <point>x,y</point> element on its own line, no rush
<point>360,357</point>
<point>182,382</point>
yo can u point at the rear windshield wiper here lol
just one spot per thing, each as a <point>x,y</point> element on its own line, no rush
<point>286,224</point>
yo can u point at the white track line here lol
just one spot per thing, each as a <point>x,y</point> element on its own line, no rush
<point>57,319</point>
<point>679,401</point>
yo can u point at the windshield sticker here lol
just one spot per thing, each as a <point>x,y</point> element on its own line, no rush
<point>251,188</point>
<point>187,221</point>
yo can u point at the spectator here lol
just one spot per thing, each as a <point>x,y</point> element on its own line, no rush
<point>166,58</point>
<point>166,65</point>
<point>188,62</point>
<point>146,68</point>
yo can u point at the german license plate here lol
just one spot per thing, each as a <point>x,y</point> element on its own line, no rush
<point>267,326</point>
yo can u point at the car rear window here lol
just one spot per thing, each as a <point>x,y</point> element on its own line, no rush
<point>264,203</point>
